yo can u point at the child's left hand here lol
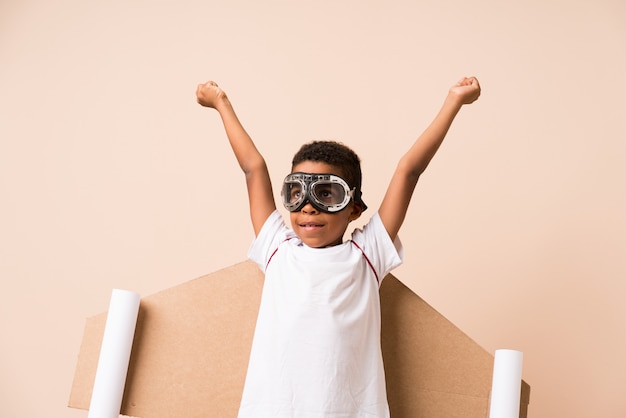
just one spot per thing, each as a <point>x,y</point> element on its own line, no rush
<point>467,90</point>
<point>210,95</point>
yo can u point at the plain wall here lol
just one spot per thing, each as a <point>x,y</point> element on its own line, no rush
<point>111,176</point>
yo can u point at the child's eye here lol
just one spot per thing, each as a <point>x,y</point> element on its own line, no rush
<point>325,193</point>
<point>295,194</point>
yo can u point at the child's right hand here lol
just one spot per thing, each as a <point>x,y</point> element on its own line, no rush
<point>467,90</point>
<point>210,95</point>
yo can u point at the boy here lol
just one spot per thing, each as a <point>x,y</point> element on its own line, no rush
<point>316,350</point>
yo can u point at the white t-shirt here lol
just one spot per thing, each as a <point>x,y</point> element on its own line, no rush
<point>316,350</point>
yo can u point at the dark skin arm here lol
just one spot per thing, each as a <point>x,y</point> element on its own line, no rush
<point>395,204</point>
<point>252,163</point>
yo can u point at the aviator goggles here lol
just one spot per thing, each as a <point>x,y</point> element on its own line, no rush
<point>326,192</point>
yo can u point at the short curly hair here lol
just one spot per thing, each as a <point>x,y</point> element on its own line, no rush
<point>336,154</point>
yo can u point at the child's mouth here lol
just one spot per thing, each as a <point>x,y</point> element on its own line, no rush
<point>310,226</point>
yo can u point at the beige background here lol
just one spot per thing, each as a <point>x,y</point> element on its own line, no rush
<point>112,176</point>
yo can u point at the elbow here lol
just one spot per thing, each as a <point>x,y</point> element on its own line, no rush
<point>411,172</point>
<point>254,167</point>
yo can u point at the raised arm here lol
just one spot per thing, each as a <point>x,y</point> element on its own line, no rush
<point>396,201</point>
<point>260,195</point>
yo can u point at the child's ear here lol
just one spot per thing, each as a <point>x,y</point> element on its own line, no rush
<point>357,210</point>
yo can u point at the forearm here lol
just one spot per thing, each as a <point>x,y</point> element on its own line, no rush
<point>417,158</point>
<point>396,201</point>
<point>246,153</point>
<point>260,195</point>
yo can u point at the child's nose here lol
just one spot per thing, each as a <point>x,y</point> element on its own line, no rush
<point>308,208</point>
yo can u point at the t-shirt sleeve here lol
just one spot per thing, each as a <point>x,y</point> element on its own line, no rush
<point>383,253</point>
<point>272,233</point>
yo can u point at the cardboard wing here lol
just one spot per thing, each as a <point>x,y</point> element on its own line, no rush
<point>192,342</point>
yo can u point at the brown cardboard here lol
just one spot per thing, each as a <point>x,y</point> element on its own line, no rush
<point>192,343</point>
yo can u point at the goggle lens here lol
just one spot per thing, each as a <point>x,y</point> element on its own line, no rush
<point>292,192</point>
<point>329,194</point>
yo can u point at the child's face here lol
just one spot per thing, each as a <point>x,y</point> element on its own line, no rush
<point>320,229</point>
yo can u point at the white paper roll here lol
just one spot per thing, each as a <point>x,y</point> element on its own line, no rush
<point>117,342</point>
<point>507,384</point>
